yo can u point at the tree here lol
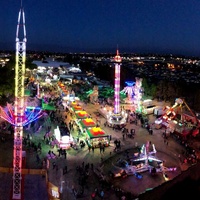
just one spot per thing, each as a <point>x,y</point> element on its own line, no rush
<point>7,81</point>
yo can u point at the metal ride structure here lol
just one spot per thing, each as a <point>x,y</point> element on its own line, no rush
<point>118,117</point>
<point>138,90</point>
<point>148,155</point>
<point>19,116</point>
<point>118,61</point>
<point>129,90</point>
<point>170,116</point>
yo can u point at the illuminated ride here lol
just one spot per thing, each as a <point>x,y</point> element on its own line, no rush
<point>138,95</point>
<point>146,160</point>
<point>169,118</point>
<point>119,116</point>
<point>129,90</point>
<point>20,115</point>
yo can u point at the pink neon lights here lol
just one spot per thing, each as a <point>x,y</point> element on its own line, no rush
<point>117,83</point>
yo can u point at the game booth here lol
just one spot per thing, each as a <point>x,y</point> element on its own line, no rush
<point>96,136</point>
<point>63,138</point>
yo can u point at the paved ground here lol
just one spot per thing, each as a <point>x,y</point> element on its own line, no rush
<point>169,153</point>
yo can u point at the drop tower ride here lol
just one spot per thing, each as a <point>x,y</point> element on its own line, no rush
<point>118,116</point>
<point>19,116</point>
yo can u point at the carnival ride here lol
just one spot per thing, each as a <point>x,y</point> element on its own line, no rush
<point>133,90</point>
<point>129,90</point>
<point>143,161</point>
<point>118,116</point>
<point>138,94</point>
<point>147,161</point>
<point>19,115</point>
<point>169,119</point>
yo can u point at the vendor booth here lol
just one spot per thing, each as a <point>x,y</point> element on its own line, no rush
<point>70,98</point>
<point>63,88</point>
<point>73,103</point>
<point>63,137</point>
<point>87,123</point>
<point>81,114</point>
<point>76,107</point>
<point>97,137</point>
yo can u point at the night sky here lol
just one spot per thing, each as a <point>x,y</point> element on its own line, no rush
<point>136,26</point>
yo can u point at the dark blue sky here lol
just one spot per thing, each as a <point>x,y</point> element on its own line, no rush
<point>137,26</point>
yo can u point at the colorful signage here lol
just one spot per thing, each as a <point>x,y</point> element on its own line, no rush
<point>53,192</point>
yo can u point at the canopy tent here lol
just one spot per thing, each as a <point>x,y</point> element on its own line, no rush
<point>88,122</point>
<point>76,108</point>
<point>73,103</point>
<point>97,137</point>
<point>81,114</point>
<point>96,132</point>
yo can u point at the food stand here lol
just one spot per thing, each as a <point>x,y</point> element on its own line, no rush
<point>70,98</point>
<point>97,136</point>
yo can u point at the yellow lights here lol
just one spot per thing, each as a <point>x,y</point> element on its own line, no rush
<point>97,129</point>
<point>170,66</point>
<point>89,120</point>
<point>165,176</point>
<point>82,112</point>
<point>77,107</point>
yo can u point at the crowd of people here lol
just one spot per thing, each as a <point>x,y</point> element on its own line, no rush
<point>63,116</point>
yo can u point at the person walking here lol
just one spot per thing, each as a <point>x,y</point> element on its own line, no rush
<point>102,194</point>
<point>93,149</point>
<point>65,154</point>
<point>54,165</point>
<point>92,166</point>
<point>37,158</point>
<point>93,195</point>
<point>65,170</point>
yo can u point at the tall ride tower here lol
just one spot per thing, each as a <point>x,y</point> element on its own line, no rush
<point>118,116</point>
<point>19,116</point>
<point>19,108</point>
<point>118,61</point>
